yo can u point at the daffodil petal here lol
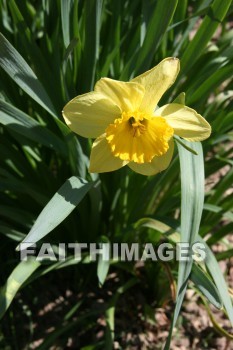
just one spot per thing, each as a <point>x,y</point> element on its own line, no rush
<point>128,96</point>
<point>156,81</point>
<point>102,160</point>
<point>88,115</point>
<point>185,121</point>
<point>157,164</point>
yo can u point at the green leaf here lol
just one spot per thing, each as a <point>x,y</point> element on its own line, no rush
<point>180,40</point>
<point>110,313</point>
<point>19,275</point>
<point>198,276</point>
<point>206,286</point>
<point>227,254</point>
<point>92,10</point>
<point>218,278</point>
<point>192,195</point>
<point>192,200</point>
<point>103,261</point>
<point>65,21</point>
<point>17,68</point>
<point>11,233</point>
<point>27,42</point>
<point>179,140</point>
<point>159,21</point>
<point>69,50</point>
<point>160,227</point>
<point>216,14</point>
<point>58,208</point>
<point>210,84</point>
<point>21,123</point>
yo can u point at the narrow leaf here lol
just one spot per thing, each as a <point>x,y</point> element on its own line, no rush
<point>215,15</point>
<point>19,275</point>
<point>192,200</point>
<point>58,208</point>
<point>159,21</point>
<point>65,21</point>
<point>178,140</point>
<point>92,10</point>
<point>219,280</point>
<point>21,123</point>
<point>206,286</point>
<point>103,261</point>
<point>18,69</point>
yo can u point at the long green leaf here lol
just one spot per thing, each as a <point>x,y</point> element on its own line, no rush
<point>192,200</point>
<point>28,45</point>
<point>103,264</point>
<point>65,21</point>
<point>216,14</point>
<point>198,277</point>
<point>58,208</point>
<point>17,68</point>
<point>90,55</point>
<point>218,278</point>
<point>19,275</point>
<point>206,286</point>
<point>159,21</point>
<point>210,84</point>
<point>180,40</point>
<point>21,123</point>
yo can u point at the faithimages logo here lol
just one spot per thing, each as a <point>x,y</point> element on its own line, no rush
<point>114,251</point>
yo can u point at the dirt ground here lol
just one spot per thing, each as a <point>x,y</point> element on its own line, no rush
<point>36,319</point>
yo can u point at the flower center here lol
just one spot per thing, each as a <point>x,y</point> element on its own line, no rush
<point>138,136</point>
<point>137,126</point>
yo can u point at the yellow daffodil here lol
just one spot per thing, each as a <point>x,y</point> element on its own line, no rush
<point>128,128</point>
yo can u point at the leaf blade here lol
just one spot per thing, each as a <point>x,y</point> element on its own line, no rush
<point>19,275</point>
<point>58,208</point>
<point>18,69</point>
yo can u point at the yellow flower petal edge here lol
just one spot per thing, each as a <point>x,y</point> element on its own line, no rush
<point>185,121</point>
<point>157,164</point>
<point>128,128</point>
<point>127,95</point>
<point>88,115</point>
<point>156,82</point>
<point>102,160</point>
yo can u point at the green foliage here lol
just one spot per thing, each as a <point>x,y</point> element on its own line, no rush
<point>51,51</point>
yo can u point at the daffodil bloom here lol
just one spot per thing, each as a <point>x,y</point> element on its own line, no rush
<point>128,127</point>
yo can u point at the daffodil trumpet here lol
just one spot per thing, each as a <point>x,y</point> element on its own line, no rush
<point>128,127</point>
